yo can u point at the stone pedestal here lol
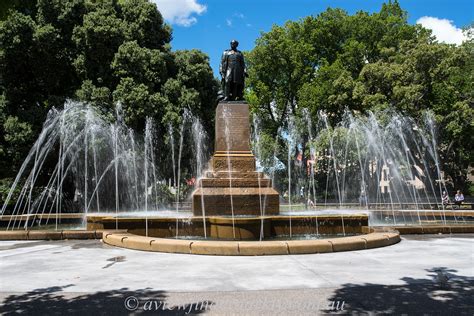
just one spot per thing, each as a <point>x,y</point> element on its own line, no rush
<point>233,185</point>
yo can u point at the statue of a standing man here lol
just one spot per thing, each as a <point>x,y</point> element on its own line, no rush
<point>233,72</point>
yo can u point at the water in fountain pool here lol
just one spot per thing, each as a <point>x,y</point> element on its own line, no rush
<point>385,166</point>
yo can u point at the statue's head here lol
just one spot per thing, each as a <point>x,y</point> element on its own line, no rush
<point>234,44</point>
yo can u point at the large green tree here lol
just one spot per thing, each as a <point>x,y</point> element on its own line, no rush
<point>101,52</point>
<point>366,62</point>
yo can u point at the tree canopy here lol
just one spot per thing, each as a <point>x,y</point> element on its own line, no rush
<point>101,52</point>
<point>366,62</point>
<point>104,52</point>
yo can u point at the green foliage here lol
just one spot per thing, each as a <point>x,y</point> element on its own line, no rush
<point>102,52</point>
<point>470,189</point>
<point>165,195</point>
<point>17,137</point>
<point>5,185</point>
<point>16,131</point>
<point>266,150</point>
<point>8,6</point>
<point>144,23</point>
<point>145,65</point>
<point>366,62</point>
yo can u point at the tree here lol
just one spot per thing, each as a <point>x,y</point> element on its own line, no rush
<point>101,52</point>
<point>365,63</point>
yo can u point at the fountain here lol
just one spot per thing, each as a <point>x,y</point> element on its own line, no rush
<point>105,177</point>
<point>93,172</point>
<point>233,186</point>
<point>88,170</point>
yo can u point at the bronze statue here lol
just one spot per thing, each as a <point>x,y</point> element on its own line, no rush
<point>233,72</point>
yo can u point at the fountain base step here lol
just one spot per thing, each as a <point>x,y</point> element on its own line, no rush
<point>238,183</point>
<point>251,248</point>
<point>235,201</point>
<point>233,186</point>
<point>229,162</point>
<point>234,174</point>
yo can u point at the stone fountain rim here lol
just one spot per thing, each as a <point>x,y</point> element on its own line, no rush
<point>375,239</point>
<point>222,219</point>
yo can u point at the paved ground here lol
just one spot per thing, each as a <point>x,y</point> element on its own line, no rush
<point>421,275</point>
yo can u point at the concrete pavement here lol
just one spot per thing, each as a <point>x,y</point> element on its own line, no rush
<point>420,274</point>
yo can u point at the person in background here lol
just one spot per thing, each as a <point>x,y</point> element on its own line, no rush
<point>458,198</point>
<point>309,203</point>
<point>445,199</point>
<point>363,199</point>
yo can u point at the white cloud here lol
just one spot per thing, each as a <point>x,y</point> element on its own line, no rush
<point>444,30</point>
<point>180,12</point>
<point>235,18</point>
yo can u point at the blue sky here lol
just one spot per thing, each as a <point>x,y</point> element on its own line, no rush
<point>209,25</point>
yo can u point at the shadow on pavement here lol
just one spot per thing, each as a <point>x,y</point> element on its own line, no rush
<point>53,301</point>
<point>442,293</point>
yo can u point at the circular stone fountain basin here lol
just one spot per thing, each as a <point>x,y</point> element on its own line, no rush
<point>251,248</point>
<point>238,236</point>
<point>237,228</point>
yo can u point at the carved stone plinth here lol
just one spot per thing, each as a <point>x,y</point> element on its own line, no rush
<point>233,186</point>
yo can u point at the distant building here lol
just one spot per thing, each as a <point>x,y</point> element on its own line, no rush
<point>385,179</point>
